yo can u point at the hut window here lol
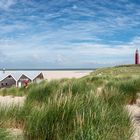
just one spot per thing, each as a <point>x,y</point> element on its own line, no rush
<point>9,76</point>
<point>2,84</point>
<point>6,84</point>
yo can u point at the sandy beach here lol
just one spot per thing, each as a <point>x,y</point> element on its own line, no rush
<point>49,75</point>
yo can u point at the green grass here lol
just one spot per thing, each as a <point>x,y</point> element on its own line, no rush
<point>120,71</point>
<point>70,108</point>
<point>4,135</point>
<point>79,117</point>
<point>73,112</point>
<point>13,91</point>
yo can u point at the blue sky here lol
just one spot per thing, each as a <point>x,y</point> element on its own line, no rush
<point>68,33</point>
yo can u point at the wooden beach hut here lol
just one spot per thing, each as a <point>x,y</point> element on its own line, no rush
<point>8,82</point>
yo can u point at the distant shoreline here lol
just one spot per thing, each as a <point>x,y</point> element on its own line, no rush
<point>65,69</point>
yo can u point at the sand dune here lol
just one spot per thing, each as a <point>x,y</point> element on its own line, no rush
<point>9,100</point>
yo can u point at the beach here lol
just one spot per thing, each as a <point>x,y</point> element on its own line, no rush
<point>50,75</point>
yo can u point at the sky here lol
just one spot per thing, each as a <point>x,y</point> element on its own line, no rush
<point>68,33</point>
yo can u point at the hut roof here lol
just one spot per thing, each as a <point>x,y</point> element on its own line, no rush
<point>17,74</point>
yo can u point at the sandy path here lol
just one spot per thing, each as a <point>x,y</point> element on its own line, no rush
<point>17,134</point>
<point>9,100</point>
<point>134,111</point>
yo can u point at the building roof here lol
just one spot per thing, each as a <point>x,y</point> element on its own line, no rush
<point>17,74</point>
<point>40,75</point>
<point>7,77</point>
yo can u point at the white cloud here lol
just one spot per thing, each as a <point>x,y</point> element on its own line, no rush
<point>6,4</point>
<point>72,35</point>
<point>74,7</point>
<point>79,54</point>
<point>12,28</point>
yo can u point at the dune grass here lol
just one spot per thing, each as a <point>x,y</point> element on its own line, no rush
<point>70,108</point>
<point>4,135</point>
<point>79,117</point>
<point>73,111</point>
<point>13,91</point>
<point>70,111</point>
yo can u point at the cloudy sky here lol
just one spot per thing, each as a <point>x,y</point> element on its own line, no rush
<point>68,33</point>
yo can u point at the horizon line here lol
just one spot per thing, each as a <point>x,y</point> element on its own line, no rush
<point>49,69</point>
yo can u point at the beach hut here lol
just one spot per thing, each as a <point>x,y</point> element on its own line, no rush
<point>23,81</point>
<point>7,82</point>
<point>20,78</point>
<point>38,78</point>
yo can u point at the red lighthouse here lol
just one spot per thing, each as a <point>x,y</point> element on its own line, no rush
<point>137,57</point>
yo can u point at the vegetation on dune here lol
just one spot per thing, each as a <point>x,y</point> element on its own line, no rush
<point>79,117</point>
<point>13,91</point>
<point>74,109</point>
<point>118,71</point>
<point>4,135</point>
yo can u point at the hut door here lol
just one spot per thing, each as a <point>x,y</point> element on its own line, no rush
<point>19,84</point>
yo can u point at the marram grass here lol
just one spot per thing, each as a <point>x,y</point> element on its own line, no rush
<point>4,135</point>
<point>80,116</point>
<point>69,109</point>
